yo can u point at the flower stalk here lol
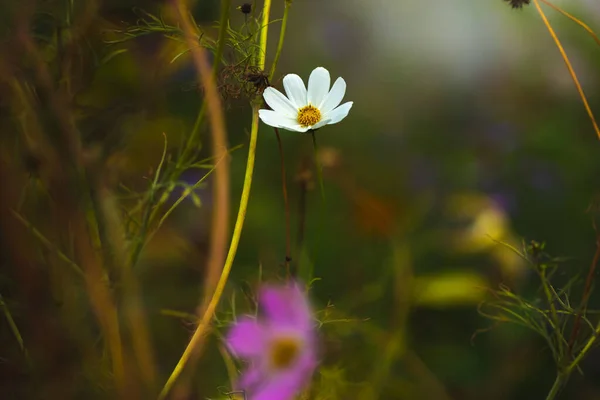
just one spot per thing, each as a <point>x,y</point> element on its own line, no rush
<point>286,12</point>
<point>197,339</point>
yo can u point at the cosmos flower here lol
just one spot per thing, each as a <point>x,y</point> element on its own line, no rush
<point>303,110</point>
<point>280,346</point>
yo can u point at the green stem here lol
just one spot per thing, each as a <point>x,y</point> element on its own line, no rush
<point>141,237</point>
<point>49,245</point>
<point>562,377</point>
<point>225,6</point>
<point>286,12</point>
<point>199,334</point>
<point>264,34</point>
<point>588,346</point>
<point>559,382</point>
<point>13,327</point>
<point>553,313</point>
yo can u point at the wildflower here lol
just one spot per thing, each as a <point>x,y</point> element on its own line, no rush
<point>518,3</point>
<point>281,347</point>
<point>304,110</point>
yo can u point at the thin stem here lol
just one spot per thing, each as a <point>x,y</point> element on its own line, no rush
<point>225,6</point>
<point>286,12</point>
<point>198,337</point>
<point>288,240</point>
<point>221,192</point>
<point>559,382</point>
<point>586,294</point>
<point>553,313</point>
<point>220,222</point>
<point>574,19</point>
<point>141,237</point>
<point>62,256</point>
<point>264,34</point>
<point>13,327</point>
<point>569,66</point>
<point>562,377</point>
<point>590,343</point>
<point>189,145</point>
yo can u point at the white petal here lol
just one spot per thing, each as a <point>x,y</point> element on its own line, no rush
<point>339,113</point>
<point>300,128</point>
<point>275,119</point>
<point>294,127</point>
<point>279,103</point>
<point>318,86</point>
<point>321,123</point>
<point>295,90</point>
<point>334,97</point>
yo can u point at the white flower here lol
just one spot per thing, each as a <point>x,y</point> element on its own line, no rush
<point>304,110</point>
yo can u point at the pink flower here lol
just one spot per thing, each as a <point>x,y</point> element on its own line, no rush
<point>281,345</point>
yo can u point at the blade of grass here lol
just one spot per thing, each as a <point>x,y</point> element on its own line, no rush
<point>569,66</point>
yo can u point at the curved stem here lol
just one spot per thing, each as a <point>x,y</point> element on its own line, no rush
<point>588,346</point>
<point>572,18</point>
<point>562,377</point>
<point>569,66</point>
<point>197,339</point>
<point>553,313</point>
<point>225,6</point>
<point>559,382</point>
<point>286,12</point>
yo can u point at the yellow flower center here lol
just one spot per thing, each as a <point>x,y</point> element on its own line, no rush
<point>283,352</point>
<point>308,116</point>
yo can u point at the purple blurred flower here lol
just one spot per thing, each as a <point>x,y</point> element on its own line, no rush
<point>281,346</point>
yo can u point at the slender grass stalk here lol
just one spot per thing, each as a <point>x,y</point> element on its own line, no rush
<point>12,325</point>
<point>586,295</point>
<point>569,66</point>
<point>574,19</point>
<point>588,346</point>
<point>141,236</point>
<point>207,76</point>
<point>553,312</point>
<point>199,334</point>
<point>197,339</point>
<point>559,382</point>
<point>563,376</point>
<point>98,291</point>
<point>50,246</point>
<point>262,48</point>
<point>286,12</point>
<point>189,146</point>
<point>109,217</point>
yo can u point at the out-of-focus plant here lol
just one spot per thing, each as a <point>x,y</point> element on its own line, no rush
<point>566,327</point>
<point>569,329</point>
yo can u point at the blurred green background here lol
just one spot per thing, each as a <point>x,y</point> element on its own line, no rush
<point>466,127</point>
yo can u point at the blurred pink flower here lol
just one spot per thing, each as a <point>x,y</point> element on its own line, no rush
<point>280,346</point>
